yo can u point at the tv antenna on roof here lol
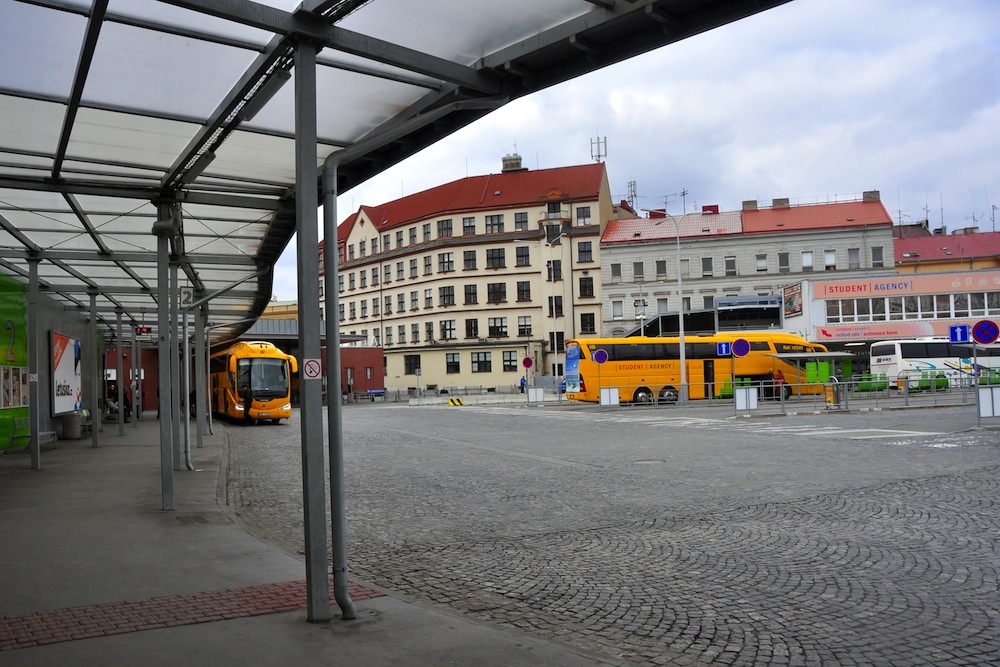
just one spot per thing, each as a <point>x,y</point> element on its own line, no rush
<point>599,148</point>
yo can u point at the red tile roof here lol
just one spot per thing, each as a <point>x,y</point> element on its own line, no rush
<point>912,250</point>
<point>816,216</point>
<point>642,230</point>
<point>489,192</point>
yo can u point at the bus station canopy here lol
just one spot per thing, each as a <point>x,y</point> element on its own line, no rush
<point>116,115</point>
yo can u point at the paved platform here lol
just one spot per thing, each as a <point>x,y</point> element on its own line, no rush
<point>94,572</point>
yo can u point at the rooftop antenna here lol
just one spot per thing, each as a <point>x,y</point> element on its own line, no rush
<point>633,194</point>
<point>599,148</point>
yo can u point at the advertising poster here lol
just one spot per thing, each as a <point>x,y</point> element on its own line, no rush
<point>792,298</point>
<point>67,386</point>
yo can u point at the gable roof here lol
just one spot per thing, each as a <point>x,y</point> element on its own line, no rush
<point>484,193</point>
<point>816,216</point>
<point>915,249</point>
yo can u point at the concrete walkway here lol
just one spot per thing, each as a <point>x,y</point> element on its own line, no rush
<point>94,572</point>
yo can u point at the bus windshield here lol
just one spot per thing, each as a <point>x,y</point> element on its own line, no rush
<point>262,378</point>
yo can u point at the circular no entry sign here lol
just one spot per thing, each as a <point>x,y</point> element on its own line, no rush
<point>600,356</point>
<point>985,332</point>
<point>527,361</point>
<point>741,347</point>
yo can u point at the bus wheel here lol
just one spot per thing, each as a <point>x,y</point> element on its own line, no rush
<point>643,395</point>
<point>788,392</point>
<point>668,395</point>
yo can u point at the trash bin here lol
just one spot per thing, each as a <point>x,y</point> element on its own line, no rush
<point>72,425</point>
<point>834,393</point>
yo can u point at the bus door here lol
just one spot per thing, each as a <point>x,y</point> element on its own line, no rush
<point>709,378</point>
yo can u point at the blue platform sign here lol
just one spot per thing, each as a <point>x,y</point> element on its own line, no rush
<point>959,333</point>
<point>723,349</point>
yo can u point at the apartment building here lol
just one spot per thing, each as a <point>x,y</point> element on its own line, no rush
<point>753,256</point>
<point>461,283</point>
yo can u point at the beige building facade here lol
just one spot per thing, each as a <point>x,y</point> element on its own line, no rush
<point>462,283</point>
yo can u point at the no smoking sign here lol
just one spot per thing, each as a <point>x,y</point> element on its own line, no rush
<point>312,369</point>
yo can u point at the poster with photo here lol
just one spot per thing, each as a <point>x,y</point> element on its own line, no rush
<point>67,386</point>
<point>792,298</point>
<point>24,386</point>
<point>7,389</point>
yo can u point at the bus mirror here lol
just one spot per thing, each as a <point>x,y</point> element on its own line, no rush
<point>294,363</point>
<point>232,364</point>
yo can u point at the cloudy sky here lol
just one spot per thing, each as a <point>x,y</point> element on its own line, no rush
<point>817,100</point>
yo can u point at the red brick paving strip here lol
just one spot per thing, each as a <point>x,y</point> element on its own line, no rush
<point>114,618</point>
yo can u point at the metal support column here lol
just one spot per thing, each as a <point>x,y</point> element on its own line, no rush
<point>311,389</point>
<point>164,227</point>
<point>172,415</point>
<point>200,373</point>
<point>119,375</point>
<point>97,374</point>
<point>34,357</point>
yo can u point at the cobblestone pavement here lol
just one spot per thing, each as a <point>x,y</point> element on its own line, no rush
<point>669,537</point>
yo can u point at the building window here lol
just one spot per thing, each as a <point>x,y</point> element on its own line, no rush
<point>399,239</point>
<point>783,265</point>
<point>557,341</point>
<point>341,309</point>
<point>521,221</point>
<point>496,292</point>
<point>401,302</point>
<point>375,276</point>
<point>586,286</point>
<point>387,274</point>
<point>552,234</point>
<point>428,265</point>
<point>362,279</point>
<point>854,258</point>
<point>585,252</point>
<point>386,242</point>
<point>555,306</point>
<point>375,246</point>
<point>524,325</point>
<point>388,305</point>
<point>415,332</point>
<point>588,323</point>
<point>661,268</point>
<point>481,362</point>
<point>411,364</point>
<point>446,295</point>
<point>400,271</point>
<point>402,333</point>
<point>444,229</point>
<point>375,307</point>
<point>364,308</point>
<point>523,255</point>
<point>472,328</point>
<point>468,226</point>
<point>706,267</point>
<point>429,331</point>
<point>350,252</point>
<point>582,215</point>
<point>414,269</point>
<point>447,329</point>
<point>413,235</point>
<point>708,301</point>
<point>730,263</point>
<point>510,360</point>
<point>388,335</point>
<point>616,272</point>
<point>428,298</point>
<point>446,262</point>
<point>494,224</point>
<point>495,258</point>
<point>553,210</point>
<point>498,327</point>
<point>554,269</point>
<point>762,263</point>
<point>830,260</point>
<point>471,294</point>
<point>451,363</point>
<point>617,313</point>
<point>469,260</point>
<point>877,261</point>
<point>427,231</point>
<point>638,271</point>
<point>353,311</point>
<point>807,261</point>
<point>524,290</point>
<point>414,300</point>
<point>340,283</point>
<point>361,249</point>
<point>350,280</point>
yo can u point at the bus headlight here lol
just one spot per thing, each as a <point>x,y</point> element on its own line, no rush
<point>286,406</point>
<point>239,407</point>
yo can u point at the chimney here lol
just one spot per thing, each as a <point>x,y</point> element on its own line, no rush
<point>781,202</point>
<point>749,204</point>
<point>710,209</point>
<point>512,162</point>
<point>871,195</point>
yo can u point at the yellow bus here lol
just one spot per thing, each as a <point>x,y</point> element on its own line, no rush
<point>647,369</point>
<point>251,381</point>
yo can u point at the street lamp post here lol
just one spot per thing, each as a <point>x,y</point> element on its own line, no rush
<point>682,395</point>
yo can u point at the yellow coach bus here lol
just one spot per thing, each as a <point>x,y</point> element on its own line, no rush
<point>251,381</point>
<point>646,369</point>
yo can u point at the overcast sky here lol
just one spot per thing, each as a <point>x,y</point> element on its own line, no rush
<point>817,100</point>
